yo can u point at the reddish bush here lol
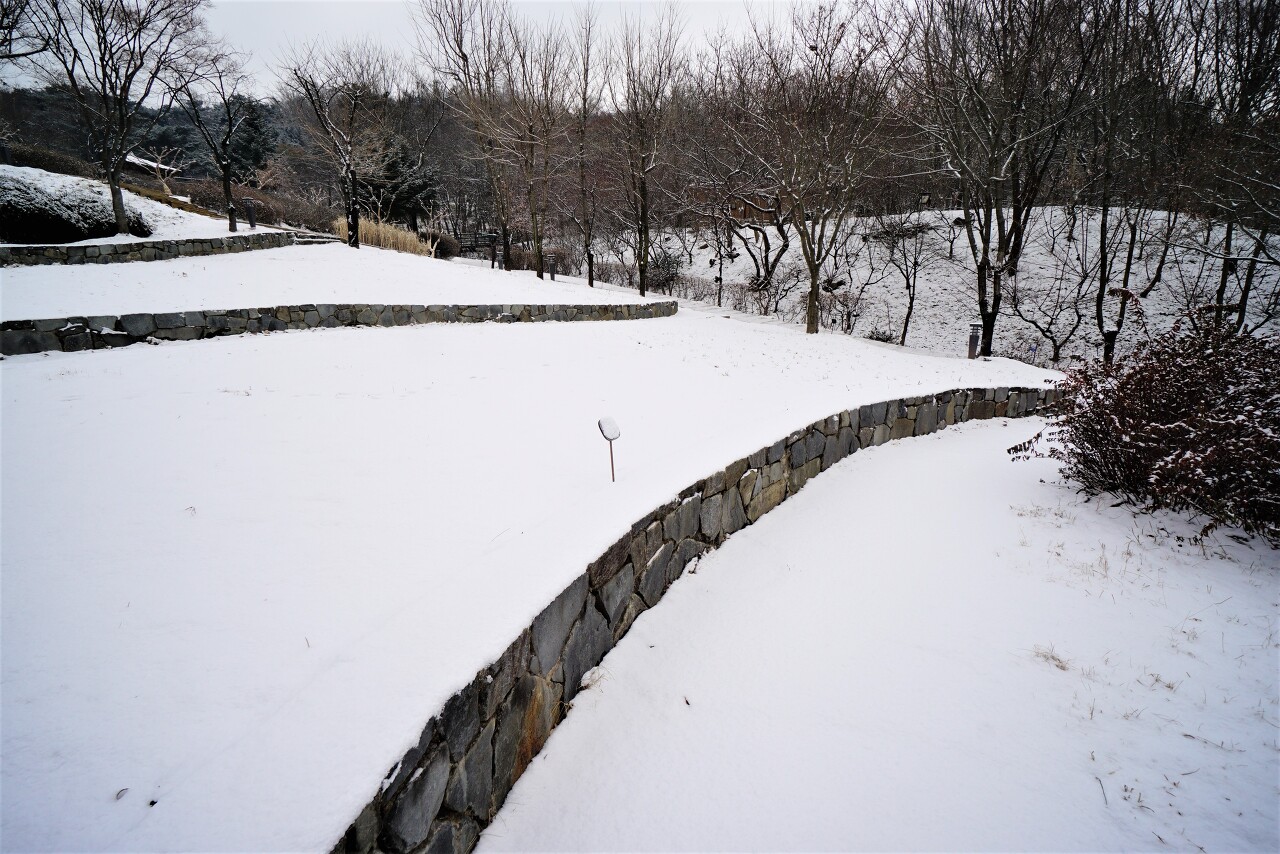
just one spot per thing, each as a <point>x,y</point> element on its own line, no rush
<point>1190,421</point>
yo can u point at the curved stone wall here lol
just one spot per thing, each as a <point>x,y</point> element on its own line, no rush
<point>141,250</point>
<point>448,787</point>
<point>72,334</point>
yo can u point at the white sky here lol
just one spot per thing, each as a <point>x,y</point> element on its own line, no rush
<point>267,28</point>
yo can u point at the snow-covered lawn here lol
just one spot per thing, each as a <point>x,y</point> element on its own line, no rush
<point>932,649</point>
<point>294,275</point>
<point>238,574</point>
<point>166,222</point>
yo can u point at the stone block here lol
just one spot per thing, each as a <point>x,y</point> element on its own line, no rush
<point>709,517</point>
<point>471,784</point>
<point>409,819</point>
<point>408,765</point>
<point>185,333</point>
<point>49,324</point>
<point>926,418</point>
<point>982,409</point>
<point>74,342</point>
<point>589,641</point>
<point>733,516</point>
<point>18,342</point>
<point>170,320</point>
<point>880,435</point>
<point>194,318</point>
<point>551,627</point>
<point>902,428</point>
<point>616,592</point>
<point>525,721</point>
<point>502,674</point>
<point>734,472</point>
<point>608,564</point>
<point>653,581</point>
<point>768,498</point>
<point>460,719</point>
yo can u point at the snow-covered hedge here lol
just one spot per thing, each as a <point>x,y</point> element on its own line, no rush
<point>42,207</point>
<point>1190,421</point>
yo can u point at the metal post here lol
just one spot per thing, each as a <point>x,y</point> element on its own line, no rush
<point>975,335</point>
<point>612,477</point>
<point>553,274</point>
<point>249,212</point>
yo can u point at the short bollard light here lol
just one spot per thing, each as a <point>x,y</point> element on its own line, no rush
<point>609,429</point>
<point>975,334</point>
<point>251,213</point>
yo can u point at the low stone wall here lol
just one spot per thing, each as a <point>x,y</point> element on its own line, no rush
<point>141,250</point>
<point>448,787</point>
<point>72,334</point>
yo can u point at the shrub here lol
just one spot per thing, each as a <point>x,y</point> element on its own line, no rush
<point>36,207</point>
<point>664,271</point>
<point>50,161</point>
<point>614,273</point>
<point>1190,422</point>
<point>446,246</point>
<point>520,258</point>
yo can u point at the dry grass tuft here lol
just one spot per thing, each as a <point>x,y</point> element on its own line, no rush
<point>1046,653</point>
<point>385,236</point>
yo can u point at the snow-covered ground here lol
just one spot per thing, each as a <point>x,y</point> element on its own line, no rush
<point>932,649</point>
<point>293,275</point>
<point>166,222</point>
<point>238,574</point>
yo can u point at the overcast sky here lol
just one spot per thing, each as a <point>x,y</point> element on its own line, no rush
<point>268,27</point>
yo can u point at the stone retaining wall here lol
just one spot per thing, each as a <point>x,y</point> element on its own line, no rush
<point>71,334</point>
<point>141,250</point>
<point>448,787</point>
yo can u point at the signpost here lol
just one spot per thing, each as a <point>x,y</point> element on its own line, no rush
<point>609,429</point>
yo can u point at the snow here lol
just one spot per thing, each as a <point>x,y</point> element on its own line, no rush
<point>166,223</point>
<point>240,573</point>
<point>930,648</point>
<point>292,275</point>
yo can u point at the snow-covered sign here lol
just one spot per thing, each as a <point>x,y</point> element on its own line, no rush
<point>609,429</point>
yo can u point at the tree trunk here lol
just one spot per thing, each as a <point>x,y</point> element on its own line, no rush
<point>987,310</point>
<point>1228,268</point>
<point>353,212</point>
<point>117,202</point>
<point>1109,345</point>
<point>227,197</point>
<point>906,321</point>
<point>642,237</point>
<point>811,315</point>
<point>591,268</point>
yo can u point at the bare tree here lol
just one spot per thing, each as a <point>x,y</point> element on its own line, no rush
<point>806,105</point>
<point>587,91</point>
<point>994,84</point>
<point>466,43</point>
<point>907,243</point>
<point>1238,72</point>
<point>647,66</point>
<point>114,56</point>
<point>212,93</point>
<point>347,89</point>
